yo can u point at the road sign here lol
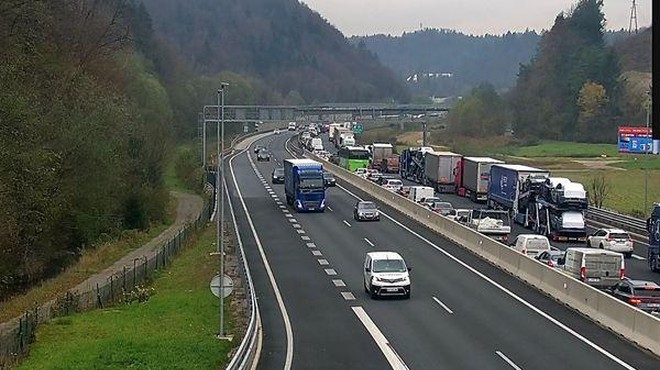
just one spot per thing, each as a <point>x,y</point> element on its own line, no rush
<point>357,128</point>
<point>227,286</point>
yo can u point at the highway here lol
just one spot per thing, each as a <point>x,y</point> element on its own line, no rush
<point>636,267</point>
<point>463,313</point>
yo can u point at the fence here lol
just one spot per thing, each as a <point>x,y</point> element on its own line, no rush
<point>17,334</point>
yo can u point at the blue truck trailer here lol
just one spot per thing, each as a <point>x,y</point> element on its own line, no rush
<point>505,185</point>
<point>303,185</point>
<point>653,227</point>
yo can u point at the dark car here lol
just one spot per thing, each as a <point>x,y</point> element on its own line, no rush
<point>443,208</point>
<point>277,177</point>
<point>257,148</point>
<point>366,211</point>
<point>642,294</point>
<point>334,159</point>
<point>263,155</point>
<point>329,179</point>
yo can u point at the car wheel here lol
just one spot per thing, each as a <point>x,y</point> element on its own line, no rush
<point>407,295</point>
<point>653,264</point>
<point>628,254</point>
<point>366,289</point>
<point>373,292</point>
<point>601,246</point>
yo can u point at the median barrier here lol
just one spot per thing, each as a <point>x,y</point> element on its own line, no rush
<point>618,316</point>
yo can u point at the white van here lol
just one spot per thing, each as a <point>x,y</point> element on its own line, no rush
<point>531,244</point>
<point>417,193</point>
<point>386,274</point>
<point>596,267</point>
<point>316,144</point>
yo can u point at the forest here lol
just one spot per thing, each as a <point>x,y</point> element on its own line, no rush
<point>575,88</point>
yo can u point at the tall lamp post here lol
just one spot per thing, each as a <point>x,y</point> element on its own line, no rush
<point>220,199</point>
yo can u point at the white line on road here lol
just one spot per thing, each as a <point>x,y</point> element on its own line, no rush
<point>638,257</point>
<point>300,231</point>
<point>506,291</point>
<point>291,219</point>
<point>347,224</point>
<point>338,282</point>
<point>369,242</point>
<point>287,215</point>
<point>508,361</point>
<point>305,237</point>
<point>311,245</point>
<point>317,253</point>
<point>329,209</point>
<point>390,354</point>
<point>330,272</point>
<point>348,296</point>
<point>296,226</point>
<point>323,262</point>
<point>442,305</point>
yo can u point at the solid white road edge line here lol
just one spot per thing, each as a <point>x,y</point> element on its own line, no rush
<point>505,290</point>
<point>508,361</point>
<point>285,316</point>
<point>442,305</point>
<point>390,354</point>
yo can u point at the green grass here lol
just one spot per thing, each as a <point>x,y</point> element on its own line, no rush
<point>174,329</point>
<point>563,149</point>
<point>172,181</point>
<point>626,188</point>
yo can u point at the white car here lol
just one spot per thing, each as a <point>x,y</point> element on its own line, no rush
<point>386,274</point>
<point>362,172</point>
<point>612,239</point>
<point>276,131</point>
<point>394,185</point>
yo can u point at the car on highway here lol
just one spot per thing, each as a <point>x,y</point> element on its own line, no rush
<point>329,179</point>
<point>427,202</point>
<point>443,208</point>
<point>374,176</point>
<point>553,258</point>
<point>334,159</point>
<point>531,244</point>
<point>362,172</point>
<point>642,294</point>
<point>382,179</point>
<point>612,239</point>
<point>386,274</point>
<point>462,214</point>
<point>257,148</point>
<point>393,185</point>
<point>366,211</point>
<point>277,177</point>
<point>263,155</point>
<point>599,268</point>
<point>276,131</point>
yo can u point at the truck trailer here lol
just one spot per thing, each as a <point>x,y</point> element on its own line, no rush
<point>411,163</point>
<point>505,184</point>
<point>439,170</point>
<point>303,185</point>
<point>553,207</point>
<point>472,174</point>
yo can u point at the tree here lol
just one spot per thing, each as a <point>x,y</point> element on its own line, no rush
<point>592,102</point>
<point>599,190</point>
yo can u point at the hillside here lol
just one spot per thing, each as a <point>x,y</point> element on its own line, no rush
<point>462,61</point>
<point>635,51</point>
<point>281,42</point>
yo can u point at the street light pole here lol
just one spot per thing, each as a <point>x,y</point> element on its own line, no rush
<point>646,156</point>
<point>220,199</point>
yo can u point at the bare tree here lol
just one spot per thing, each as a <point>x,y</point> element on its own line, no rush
<point>599,190</point>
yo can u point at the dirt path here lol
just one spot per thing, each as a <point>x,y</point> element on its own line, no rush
<point>188,209</point>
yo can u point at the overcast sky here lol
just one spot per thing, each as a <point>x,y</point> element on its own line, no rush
<point>368,17</point>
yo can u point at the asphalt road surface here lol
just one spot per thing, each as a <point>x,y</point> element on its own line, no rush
<point>463,313</point>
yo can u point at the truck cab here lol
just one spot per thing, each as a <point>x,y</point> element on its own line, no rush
<point>304,185</point>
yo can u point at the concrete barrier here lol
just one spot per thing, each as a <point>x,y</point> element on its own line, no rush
<point>633,324</point>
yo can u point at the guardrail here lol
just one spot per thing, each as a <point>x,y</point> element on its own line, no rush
<point>633,324</point>
<point>625,222</point>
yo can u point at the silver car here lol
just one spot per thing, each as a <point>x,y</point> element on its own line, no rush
<point>366,211</point>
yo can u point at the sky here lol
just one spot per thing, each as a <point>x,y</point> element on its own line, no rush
<point>477,17</point>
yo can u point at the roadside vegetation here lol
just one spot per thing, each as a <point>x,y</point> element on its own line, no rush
<point>172,326</point>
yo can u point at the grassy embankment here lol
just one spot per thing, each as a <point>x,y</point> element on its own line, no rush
<point>174,329</point>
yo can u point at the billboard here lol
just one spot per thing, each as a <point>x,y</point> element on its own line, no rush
<point>634,139</point>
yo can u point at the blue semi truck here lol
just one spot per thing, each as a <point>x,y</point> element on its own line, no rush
<point>653,227</point>
<point>505,185</point>
<point>303,185</point>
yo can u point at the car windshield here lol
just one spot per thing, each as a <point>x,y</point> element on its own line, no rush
<point>389,266</point>
<point>366,205</point>
<point>555,257</point>
<point>312,183</point>
<point>442,205</point>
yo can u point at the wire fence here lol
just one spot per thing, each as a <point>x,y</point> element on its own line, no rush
<point>122,286</point>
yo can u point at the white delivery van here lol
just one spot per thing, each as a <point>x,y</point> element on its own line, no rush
<point>597,267</point>
<point>317,144</point>
<point>531,244</point>
<point>386,273</point>
<point>417,193</point>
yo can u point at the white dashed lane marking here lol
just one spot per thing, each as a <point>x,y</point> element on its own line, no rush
<point>291,219</point>
<point>338,282</point>
<point>330,272</point>
<point>348,296</point>
<point>304,237</point>
<point>296,226</point>
<point>442,305</point>
<point>311,245</point>
<point>323,262</point>
<point>369,242</point>
<point>299,231</point>
<point>347,224</point>
<point>317,253</point>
